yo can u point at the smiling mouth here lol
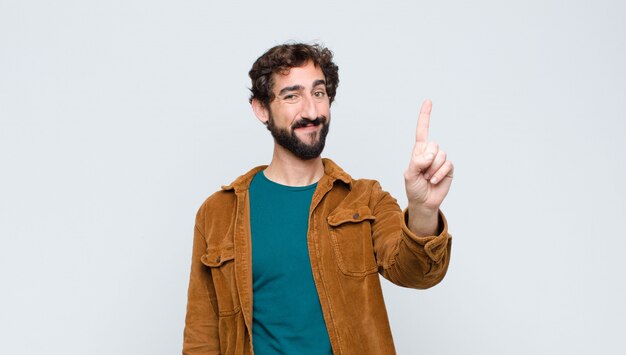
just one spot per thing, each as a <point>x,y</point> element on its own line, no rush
<point>304,123</point>
<point>310,125</point>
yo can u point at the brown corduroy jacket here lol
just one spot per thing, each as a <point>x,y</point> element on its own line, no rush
<point>356,230</point>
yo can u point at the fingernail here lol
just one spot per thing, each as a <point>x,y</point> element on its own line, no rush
<point>433,180</point>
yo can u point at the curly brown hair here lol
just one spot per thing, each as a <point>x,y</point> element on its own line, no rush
<point>281,58</point>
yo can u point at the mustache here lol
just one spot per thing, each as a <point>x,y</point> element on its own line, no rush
<point>304,122</point>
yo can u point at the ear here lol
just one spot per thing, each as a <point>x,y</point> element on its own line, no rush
<point>260,111</point>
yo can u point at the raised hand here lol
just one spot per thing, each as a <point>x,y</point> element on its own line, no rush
<point>429,175</point>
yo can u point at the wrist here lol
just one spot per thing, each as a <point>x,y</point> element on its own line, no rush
<point>423,221</point>
<point>422,211</point>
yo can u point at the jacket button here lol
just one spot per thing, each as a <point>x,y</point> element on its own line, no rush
<point>218,259</point>
<point>355,216</point>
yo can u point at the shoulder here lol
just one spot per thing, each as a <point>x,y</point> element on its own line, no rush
<point>358,186</point>
<point>218,199</point>
<point>218,206</point>
<point>222,203</point>
<point>371,191</point>
<point>365,186</point>
<point>358,192</point>
<point>368,184</point>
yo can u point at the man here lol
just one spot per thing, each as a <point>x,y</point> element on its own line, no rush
<point>286,258</point>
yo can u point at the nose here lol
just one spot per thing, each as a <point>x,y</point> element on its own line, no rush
<point>309,108</point>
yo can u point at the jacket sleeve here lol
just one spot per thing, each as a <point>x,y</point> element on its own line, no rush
<point>402,257</point>
<point>201,322</point>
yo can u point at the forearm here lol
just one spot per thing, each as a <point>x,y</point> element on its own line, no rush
<point>419,261</point>
<point>404,257</point>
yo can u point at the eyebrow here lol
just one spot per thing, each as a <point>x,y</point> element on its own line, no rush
<point>319,82</point>
<point>290,88</point>
<point>300,87</point>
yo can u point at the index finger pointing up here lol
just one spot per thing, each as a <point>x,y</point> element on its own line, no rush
<point>421,134</point>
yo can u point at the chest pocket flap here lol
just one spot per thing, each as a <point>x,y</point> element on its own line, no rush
<point>341,216</point>
<point>217,257</point>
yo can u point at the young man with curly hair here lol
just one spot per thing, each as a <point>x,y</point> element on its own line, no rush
<point>286,258</point>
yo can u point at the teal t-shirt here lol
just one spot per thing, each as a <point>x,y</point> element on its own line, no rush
<point>287,315</point>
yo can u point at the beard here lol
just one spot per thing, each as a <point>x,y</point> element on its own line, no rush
<point>287,138</point>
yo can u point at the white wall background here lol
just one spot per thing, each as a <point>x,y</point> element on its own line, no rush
<point>118,118</point>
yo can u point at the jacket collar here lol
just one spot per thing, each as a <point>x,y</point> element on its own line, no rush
<point>332,171</point>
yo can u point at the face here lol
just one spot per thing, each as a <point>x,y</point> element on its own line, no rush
<point>299,115</point>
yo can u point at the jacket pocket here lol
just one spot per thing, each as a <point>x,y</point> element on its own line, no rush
<point>221,264</point>
<point>351,239</point>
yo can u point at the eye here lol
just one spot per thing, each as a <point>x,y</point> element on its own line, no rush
<point>290,97</point>
<point>319,94</point>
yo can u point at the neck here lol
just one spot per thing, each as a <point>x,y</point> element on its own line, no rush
<point>287,169</point>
